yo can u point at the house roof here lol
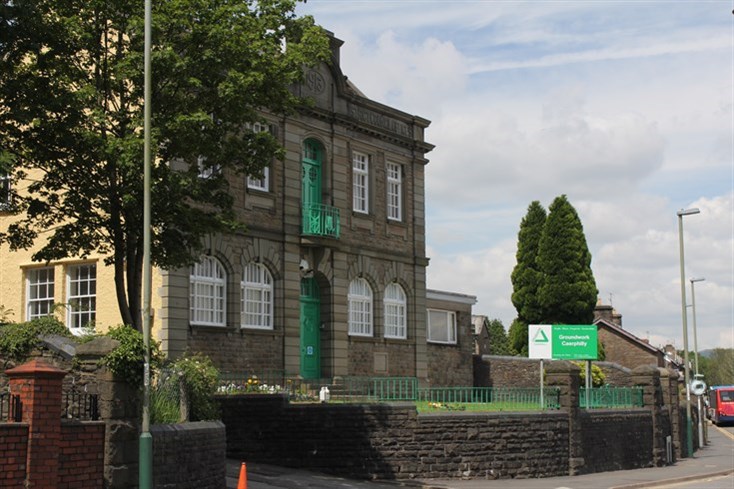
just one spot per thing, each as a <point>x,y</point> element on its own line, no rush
<point>629,336</point>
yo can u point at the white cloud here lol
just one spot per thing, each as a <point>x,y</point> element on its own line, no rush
<point>624,107</point>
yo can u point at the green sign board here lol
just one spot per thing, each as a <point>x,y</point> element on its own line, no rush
<point>563,341</point>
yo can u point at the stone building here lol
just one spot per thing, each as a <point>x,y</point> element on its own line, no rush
<point>621,346</point>
<point>329,278</point>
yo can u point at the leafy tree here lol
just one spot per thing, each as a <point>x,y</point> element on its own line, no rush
<point>567,293</point>
<point>498,341</point>
<point>71,121</point>
<point>518,337</point>
<point>718,367</point>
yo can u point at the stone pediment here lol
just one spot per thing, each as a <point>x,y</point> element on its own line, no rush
<point>333,97</point>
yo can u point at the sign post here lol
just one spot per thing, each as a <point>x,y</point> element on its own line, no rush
<point>563,342</point>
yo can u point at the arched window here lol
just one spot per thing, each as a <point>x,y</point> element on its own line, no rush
<point>208,292</point>
<point>256,297</point>
<point>395,307</point>
<point>360,308</point>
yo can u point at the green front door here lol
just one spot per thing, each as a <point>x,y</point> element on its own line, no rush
<point>310,329</point>
<point>311,173</point>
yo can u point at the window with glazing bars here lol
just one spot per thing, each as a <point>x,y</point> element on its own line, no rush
<point>360,182</point>
<point>360,308</point>
<point>257,297</point>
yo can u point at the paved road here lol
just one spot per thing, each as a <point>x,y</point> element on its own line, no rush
<point>708,465</point>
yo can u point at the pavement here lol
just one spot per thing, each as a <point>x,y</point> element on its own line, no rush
<point>714,459</point>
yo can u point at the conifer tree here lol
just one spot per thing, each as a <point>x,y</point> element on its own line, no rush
<point>498,341</point>
<point>526,276</point>
<point>567,292</point>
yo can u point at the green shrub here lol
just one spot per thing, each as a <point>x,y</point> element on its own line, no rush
<point>17,340</point>
<point>201,379</point>
<point>127,360</point>
<point>165,404</point>
<point>598,378</point>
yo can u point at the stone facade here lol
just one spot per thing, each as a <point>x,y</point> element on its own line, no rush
<point>380,249</point>
<point>451,364</point>
<point>626,349</point>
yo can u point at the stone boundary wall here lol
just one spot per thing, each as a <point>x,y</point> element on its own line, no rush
<point>504,371</point>
<point>394,442</point>
<point>507,371</point>
<point>606,437</point>
<point>189,455</point>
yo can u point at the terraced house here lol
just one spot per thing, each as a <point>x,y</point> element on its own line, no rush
<point>328,279</point>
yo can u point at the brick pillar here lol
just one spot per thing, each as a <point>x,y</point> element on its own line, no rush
<point>39,386</point>
<point>648,377</point>
<point>567,376</point>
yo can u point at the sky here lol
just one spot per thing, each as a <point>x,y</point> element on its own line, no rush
<point>626,107</point>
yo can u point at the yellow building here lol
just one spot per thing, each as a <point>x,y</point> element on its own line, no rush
<point>328,280</point>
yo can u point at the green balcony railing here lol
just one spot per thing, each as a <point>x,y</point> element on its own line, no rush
<point>320,220</point>
<point>611,397</point>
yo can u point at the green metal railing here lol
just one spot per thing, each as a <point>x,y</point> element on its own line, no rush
<point>388,389</point>
<point>321,220</point>
<point>512,397</point>
<point>377,389</point>
<point>611,397</point>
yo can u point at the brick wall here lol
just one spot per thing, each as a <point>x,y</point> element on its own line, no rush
<point>189,455</point>
<point>13,452</point>
<point>81,458</point>
<point>57,456</point>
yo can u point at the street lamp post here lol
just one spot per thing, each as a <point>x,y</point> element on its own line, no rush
<point>701,439</point>
<point>145,442</point>
<point>684,315</point>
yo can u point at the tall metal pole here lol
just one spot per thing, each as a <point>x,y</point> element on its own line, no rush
<point>145,462</point>
<point>701,437</point>
<point>684,315</point>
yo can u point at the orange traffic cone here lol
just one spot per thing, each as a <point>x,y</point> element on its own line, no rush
<point>242,483</point>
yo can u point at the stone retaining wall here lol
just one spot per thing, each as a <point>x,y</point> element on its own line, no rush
<point>395,442</point>
<point>189,455</point>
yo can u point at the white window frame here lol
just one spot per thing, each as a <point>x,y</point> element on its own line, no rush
<point>81,296</point>
<point>394,191</point>
<point>449,324</point>
<point>256,297</point>
<point>395,302</point>
<point>208,293</point>
<point>261,184</point>
<point>40,291</point>
<point>360,182</point>
<point>360,308</point>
